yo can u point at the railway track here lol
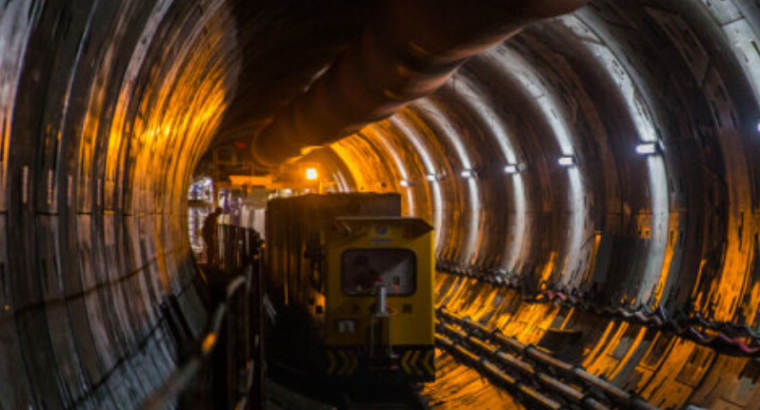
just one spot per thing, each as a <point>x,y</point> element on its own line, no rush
<point>533,376</point>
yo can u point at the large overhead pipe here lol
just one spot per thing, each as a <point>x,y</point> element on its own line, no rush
<point>408,50</point>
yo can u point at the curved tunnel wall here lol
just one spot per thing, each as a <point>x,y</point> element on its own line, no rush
<point>567,88</point>
<point>674,232</point>
<point>105,108</point>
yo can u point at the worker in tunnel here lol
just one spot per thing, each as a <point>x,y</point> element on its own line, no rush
<point>210,233</point>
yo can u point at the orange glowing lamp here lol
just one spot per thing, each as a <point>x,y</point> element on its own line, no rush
<point>312,174</point>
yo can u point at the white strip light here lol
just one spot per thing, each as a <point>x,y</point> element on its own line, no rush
<point>404,183</point>
<point>511,169</point>
<point>646,148</point>
<point>468,173</point>
<point>432,177</point>
<point>566,161</point>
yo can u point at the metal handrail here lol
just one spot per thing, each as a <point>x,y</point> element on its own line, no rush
<point>182,377</point>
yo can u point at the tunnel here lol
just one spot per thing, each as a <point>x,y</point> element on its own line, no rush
<point>592,174</point>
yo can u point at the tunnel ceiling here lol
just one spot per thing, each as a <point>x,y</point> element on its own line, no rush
<point>598,89</point>
<point>607,159</point>
<point>283,47</point>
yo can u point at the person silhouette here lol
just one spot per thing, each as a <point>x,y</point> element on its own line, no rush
<point>209,231</point>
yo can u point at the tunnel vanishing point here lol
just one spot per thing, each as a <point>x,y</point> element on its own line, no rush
<point>592,168</point>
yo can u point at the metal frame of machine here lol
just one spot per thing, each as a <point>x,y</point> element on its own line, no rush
<point>375,332</point>
<point>389,328</point>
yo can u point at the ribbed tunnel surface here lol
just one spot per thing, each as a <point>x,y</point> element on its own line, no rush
<point>599,172</point>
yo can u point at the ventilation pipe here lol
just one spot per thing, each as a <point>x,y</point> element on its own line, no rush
<point>408,50</point>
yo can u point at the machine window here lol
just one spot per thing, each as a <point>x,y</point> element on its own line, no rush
<point>366,269</point>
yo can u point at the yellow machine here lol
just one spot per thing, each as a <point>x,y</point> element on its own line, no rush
<point>379,297</point>
<point>351,283</point>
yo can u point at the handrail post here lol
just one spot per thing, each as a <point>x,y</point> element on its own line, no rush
<point>258,339</point>
<point>234,338</point>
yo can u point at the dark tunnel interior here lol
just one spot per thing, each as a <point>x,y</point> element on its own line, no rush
<point>597,171</point>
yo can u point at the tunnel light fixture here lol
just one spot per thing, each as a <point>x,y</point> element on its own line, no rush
<point>567,161</point>
<point>647,148</point>
<point>468,174</point>
<point>404,183</point>
<point>311,174</point>
<point>432,177</point>
<point>758,126</point>
<point>511,169</point>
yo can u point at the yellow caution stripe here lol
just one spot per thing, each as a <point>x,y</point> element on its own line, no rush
<point>341,362</point>
<point>419,362</point>
<point>332,363</point>
<point>428,363</point>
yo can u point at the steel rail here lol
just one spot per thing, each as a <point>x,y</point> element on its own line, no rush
<point>479,336</point>
<point>725,337</point>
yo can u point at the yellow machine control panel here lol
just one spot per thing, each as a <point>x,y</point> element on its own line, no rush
<point>364,255</point>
